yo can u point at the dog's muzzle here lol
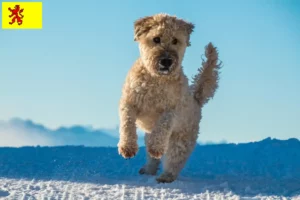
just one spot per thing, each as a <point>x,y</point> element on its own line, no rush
<point>165,65</point>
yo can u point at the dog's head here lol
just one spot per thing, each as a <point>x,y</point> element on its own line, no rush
<point>162,41</point>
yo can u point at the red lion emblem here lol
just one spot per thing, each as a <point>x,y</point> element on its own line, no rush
<point>15,14</point>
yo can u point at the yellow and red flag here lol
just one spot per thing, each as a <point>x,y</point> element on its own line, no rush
<point>22,15</point>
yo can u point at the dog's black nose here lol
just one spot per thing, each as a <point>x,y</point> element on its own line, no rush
<point>166,62</point>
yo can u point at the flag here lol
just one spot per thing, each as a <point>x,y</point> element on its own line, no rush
<point>22,15</point>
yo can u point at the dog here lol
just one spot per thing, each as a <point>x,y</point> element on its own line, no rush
<point>157,98</point>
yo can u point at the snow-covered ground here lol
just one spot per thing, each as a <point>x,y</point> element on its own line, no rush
<point>269,169</point>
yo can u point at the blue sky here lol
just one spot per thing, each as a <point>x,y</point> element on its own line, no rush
<point>72,71</point>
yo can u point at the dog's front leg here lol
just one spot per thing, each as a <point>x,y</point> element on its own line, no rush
<point>158,139</point>
<point>127,145</point>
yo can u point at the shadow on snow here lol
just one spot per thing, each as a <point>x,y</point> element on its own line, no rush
<point>270,167</point>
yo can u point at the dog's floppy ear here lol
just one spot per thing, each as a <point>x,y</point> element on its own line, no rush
<point>189,28</point>
<point>142,26</point>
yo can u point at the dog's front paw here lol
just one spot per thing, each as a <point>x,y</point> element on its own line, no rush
<point>128,150</point>
<point>155,152</point>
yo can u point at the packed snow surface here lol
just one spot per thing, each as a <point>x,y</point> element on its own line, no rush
<point>269,169</point>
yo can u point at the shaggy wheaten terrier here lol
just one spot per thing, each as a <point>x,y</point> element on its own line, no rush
<point>157,98</point>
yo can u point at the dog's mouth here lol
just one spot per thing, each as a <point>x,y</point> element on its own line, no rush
<point>165,66</point>
<point>163,69</point>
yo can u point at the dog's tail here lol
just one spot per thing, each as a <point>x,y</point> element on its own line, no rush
<point>205,83</point>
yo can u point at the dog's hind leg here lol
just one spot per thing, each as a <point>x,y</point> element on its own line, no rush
<point>179,150</point>
<point>151,165</point>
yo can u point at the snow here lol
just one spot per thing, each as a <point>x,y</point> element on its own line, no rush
<point>4,193</point>
<point>269,169</point>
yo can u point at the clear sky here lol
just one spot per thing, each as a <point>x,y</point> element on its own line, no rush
<point>71,71</point>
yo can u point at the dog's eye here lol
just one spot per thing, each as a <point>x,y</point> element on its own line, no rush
<point>156,40</point>
<point>174,41</point>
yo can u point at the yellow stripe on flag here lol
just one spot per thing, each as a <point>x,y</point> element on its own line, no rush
<point>22,15</point>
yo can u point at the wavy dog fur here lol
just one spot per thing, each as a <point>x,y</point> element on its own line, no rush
<point>162,103</point>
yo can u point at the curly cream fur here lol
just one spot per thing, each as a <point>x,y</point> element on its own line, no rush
<point>164,105</point>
